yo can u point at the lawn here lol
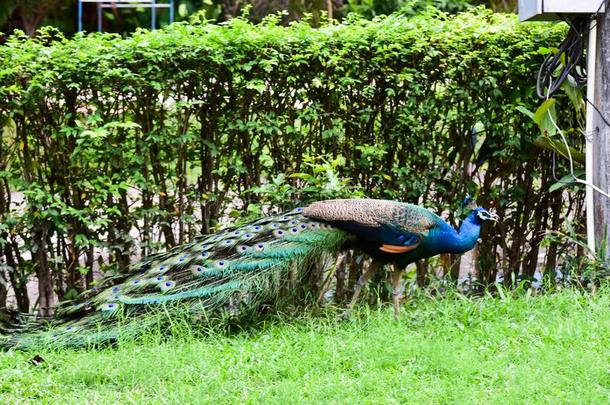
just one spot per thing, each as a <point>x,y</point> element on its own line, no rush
<point>552,348</point>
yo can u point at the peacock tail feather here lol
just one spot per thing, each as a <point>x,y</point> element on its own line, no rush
<point>232,272</point>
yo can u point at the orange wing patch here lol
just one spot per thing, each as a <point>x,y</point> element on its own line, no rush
<point>396,248</point>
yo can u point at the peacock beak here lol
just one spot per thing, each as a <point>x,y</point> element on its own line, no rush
<point>494,217</point>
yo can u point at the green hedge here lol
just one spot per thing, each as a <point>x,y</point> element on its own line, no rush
<point>165,132</point>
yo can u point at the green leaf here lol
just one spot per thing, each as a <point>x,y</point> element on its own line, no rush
<point>527,112</point>
<point>574,93</point>
<point>542,111</point>
<point>566,180</point>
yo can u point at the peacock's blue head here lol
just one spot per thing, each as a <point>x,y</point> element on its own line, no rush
<point>481,215</point>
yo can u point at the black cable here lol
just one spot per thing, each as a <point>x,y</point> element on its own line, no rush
<point>604,4</point>
<point>554,171</point>
<point>568,60</point>
<point>598,111</point>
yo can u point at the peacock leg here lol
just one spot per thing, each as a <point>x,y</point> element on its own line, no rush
<point>396,277</point>
<point>329,279</point>
<point>373,268</point>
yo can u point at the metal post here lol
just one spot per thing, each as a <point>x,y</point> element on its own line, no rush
<point>154,14</point>
<point>80,15</point>
<point>589,129</point>
<point>171,11</point>
<point>99,17</point>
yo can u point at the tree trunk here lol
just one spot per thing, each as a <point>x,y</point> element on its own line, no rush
<point>11,252</point>
<point>89,264</point>
<point>3,291</point>
<point>601,135</point>
<point>46,297</point>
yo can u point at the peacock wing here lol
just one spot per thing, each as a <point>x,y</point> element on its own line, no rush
<point>399,227</point>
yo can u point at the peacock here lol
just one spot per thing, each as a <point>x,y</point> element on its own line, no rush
<point>243,268</point>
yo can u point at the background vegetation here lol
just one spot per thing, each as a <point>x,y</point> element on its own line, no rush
<point>113,148</point>
<point>30,15</point>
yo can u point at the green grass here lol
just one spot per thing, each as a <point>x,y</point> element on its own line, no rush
<point>548,349</point>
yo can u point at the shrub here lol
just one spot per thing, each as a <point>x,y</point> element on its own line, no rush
<point>120,146</point>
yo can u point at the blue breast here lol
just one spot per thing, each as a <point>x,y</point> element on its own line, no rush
<point>444,239</point>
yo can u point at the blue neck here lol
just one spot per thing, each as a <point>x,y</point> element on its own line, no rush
<point>469,231</point>
<point>452,241</point>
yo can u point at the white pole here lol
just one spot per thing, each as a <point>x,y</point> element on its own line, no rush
<point>591,57</point>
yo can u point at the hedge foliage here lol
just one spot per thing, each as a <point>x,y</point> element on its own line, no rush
<point>120,146</point>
